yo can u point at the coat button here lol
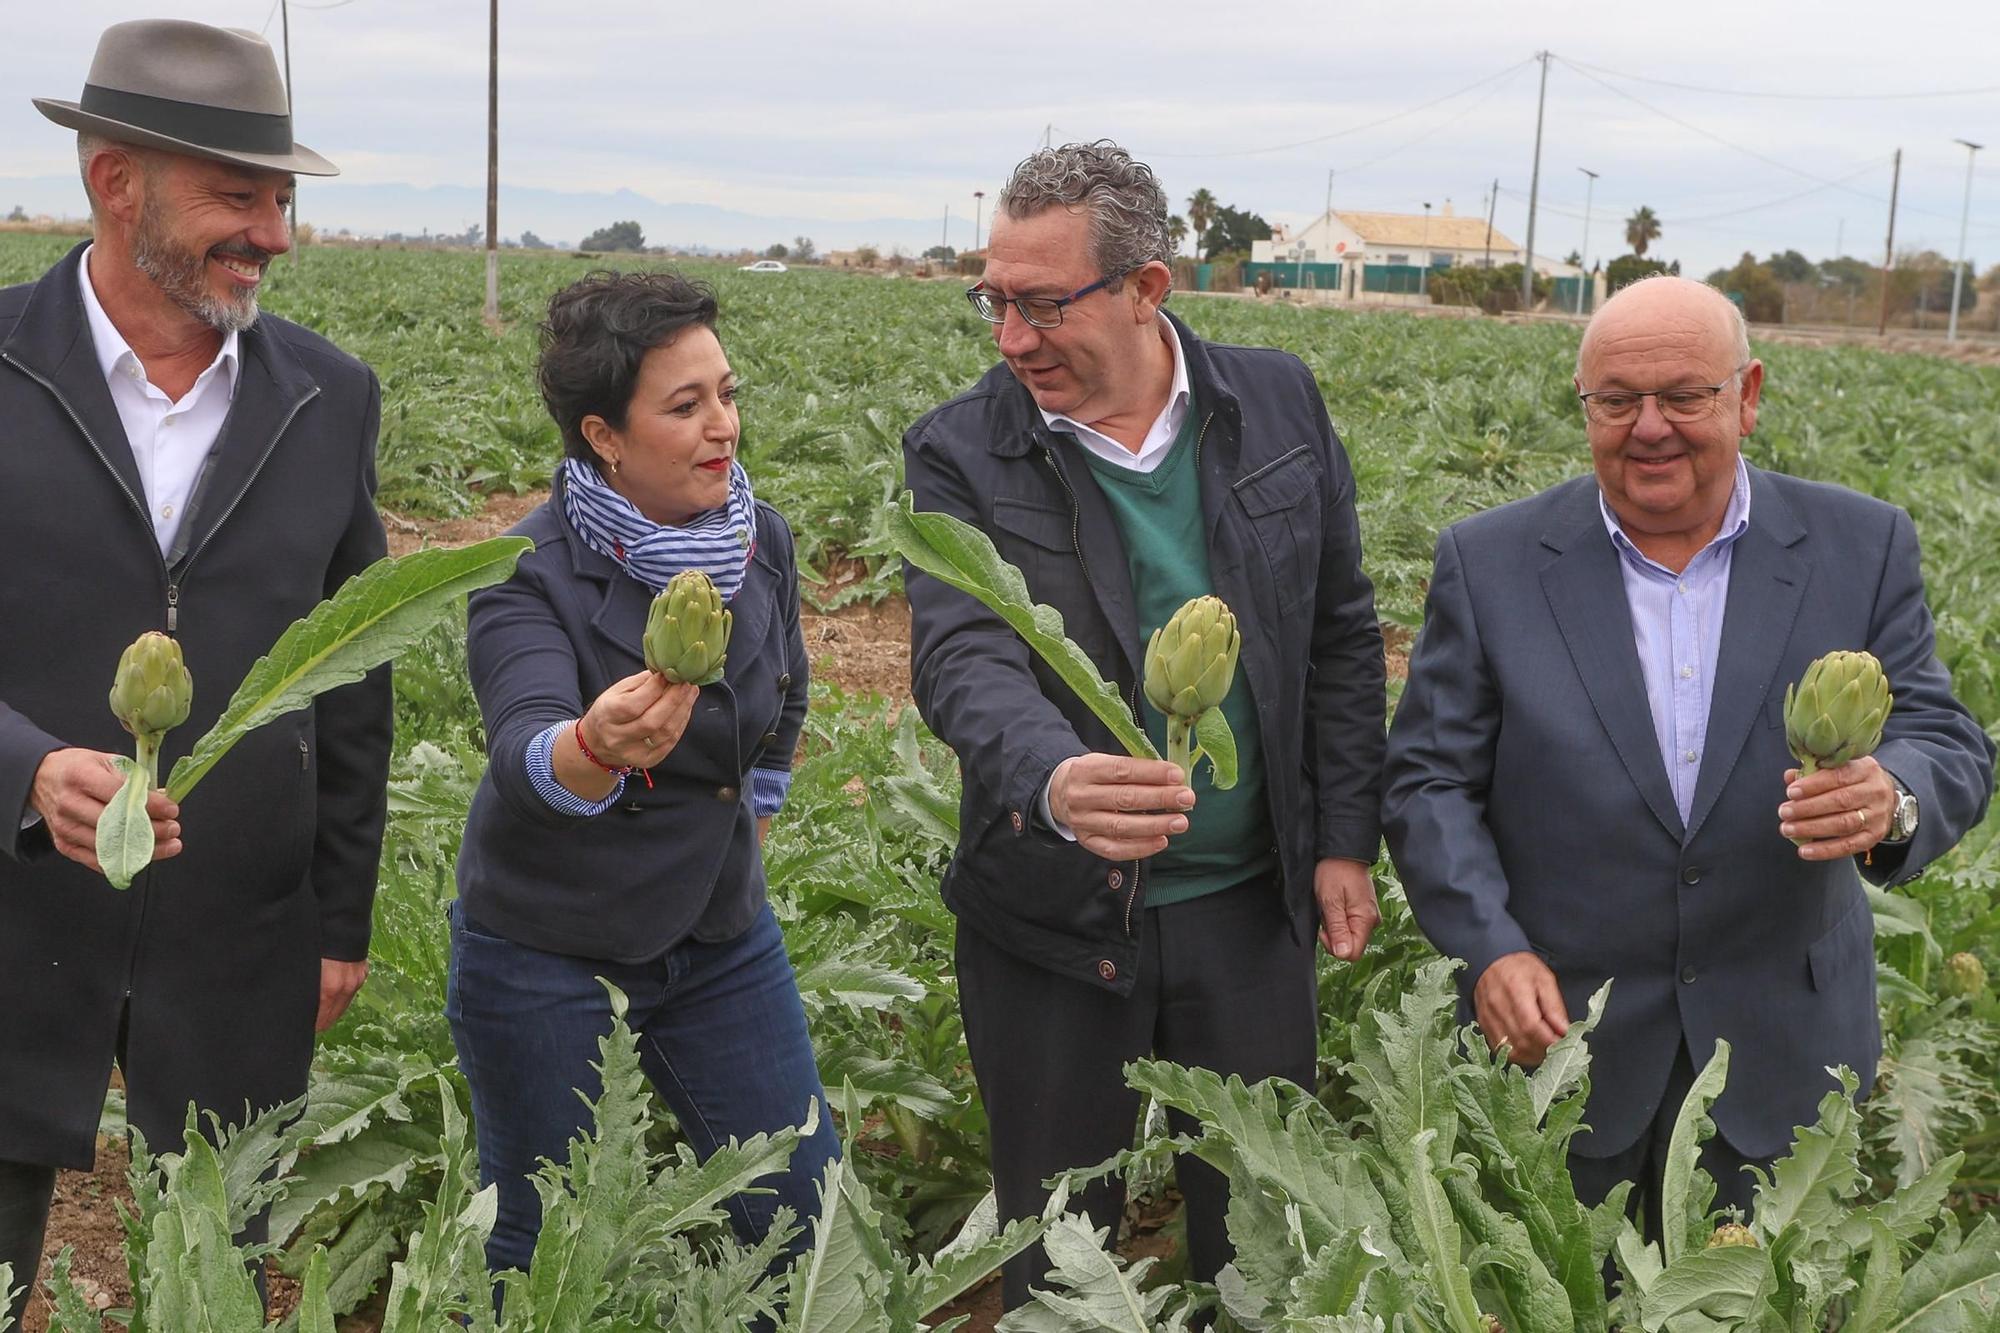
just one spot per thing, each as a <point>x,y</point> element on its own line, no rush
<point>1116,879</point>
<point>1687,976</point>
<point>1107,969</point>
<point>1014,818</point>
<point>725,793</point>
<point>632,807</point>
<point>1692,875</point>
<point>770,738</point>
<point>785,681</point>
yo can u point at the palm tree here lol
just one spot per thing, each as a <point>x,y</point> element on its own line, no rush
<point>1201,212</point>
<point>1177,230</point>
<point>1641,230</point>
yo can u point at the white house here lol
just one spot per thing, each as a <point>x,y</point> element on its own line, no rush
<point>1415,239</point>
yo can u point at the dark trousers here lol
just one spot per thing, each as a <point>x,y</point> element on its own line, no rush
<point>722,1038</point>
<point>25,1191</point>
<point>1645,1162</point>
<point>1221,985</point>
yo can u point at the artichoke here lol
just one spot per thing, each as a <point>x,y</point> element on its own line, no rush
<point>150,696</point>
<point>1732,1233</point>
<point>153,691</point>
<point>1964,976</point>
<point>687,631</point>
<point>1190,663</point>
<point>1836,711</point>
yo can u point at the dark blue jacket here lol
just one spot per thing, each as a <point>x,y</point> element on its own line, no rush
<point>674,860</point>
<point>1529,808</point>
<point>1284,552</point>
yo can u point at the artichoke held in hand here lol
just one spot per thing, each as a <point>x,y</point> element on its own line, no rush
<point>1190,663</point>
<point>687,631</point>
<point>1837,710</point>
<point>150,696</point>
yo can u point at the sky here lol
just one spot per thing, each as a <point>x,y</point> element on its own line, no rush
<point>844,118</point>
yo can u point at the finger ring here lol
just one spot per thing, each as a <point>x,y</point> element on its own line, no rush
<point>649,742</point>
<point>1862,814</point>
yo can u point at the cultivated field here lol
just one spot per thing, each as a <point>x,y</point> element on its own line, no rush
<point>1421,1188</point>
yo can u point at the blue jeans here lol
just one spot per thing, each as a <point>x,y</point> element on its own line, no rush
<point>722,1037</point>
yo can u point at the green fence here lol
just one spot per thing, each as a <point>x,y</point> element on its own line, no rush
<point>1566,291</point>
<point>1317,277</point>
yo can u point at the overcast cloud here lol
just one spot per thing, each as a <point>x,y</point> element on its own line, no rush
<point>871,110</point>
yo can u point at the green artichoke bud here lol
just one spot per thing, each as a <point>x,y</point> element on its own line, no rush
<point>1190,663</point>
<point>1965,976</point>
<point>153,690</point>
<point>1836,711</point>
<point>1192,659</point>
<point>1732,1233</point>
<point>687,631</point>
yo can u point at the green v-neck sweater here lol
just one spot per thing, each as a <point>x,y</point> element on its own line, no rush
<point>1228,840</point>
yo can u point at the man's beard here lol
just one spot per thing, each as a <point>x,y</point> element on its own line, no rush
<point>182,275</point>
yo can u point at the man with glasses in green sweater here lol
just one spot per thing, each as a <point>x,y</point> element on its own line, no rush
<point>1107,909</point>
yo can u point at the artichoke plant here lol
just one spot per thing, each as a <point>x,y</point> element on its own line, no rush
<point>1836,711</point>
<point>1190,663</point>
<point>150,696</point>
<point>1965,976</point>
<point>1732,1233</point>
<point>687,631</point>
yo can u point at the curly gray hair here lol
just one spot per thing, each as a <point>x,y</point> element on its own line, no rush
<point>1128,209</point>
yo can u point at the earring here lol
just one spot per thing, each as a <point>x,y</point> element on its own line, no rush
<point>614,467</point>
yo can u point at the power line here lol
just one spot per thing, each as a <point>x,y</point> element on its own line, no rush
<point>1737,147</point>
<point>1444,124</point>
<point>1793,97</point>
<point>1352,129</point>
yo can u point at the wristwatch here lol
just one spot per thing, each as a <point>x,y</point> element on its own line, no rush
<point>1903,822</point>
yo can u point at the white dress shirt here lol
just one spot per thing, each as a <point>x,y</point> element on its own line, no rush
<point>1159,439</point>
<point>170,440</point>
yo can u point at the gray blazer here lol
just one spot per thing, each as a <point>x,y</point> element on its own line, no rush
<point>1528,807</point>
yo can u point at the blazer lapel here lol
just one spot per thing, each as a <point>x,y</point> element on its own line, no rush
<point>271,388</point>
<point>1767,582</point>
<point>1586,593</point>
<point>51,343</point>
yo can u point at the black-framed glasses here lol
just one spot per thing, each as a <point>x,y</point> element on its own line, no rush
<point>1042,312</point>
<point>1620,407</point>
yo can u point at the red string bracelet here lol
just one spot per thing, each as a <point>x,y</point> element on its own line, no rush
<point>622,770</point>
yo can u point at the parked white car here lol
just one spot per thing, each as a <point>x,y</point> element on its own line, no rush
<point>763,266</point>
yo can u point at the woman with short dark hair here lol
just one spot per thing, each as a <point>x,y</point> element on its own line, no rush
<point>616,832</point>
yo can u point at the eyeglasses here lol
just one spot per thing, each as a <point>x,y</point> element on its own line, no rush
<point>1620,407</point>
<point>1042,312</point>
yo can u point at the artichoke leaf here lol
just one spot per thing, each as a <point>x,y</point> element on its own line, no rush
<point>1218,742</point>
<point>124,832</point>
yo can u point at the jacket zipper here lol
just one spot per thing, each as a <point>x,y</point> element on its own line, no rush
<point>1076,544</point>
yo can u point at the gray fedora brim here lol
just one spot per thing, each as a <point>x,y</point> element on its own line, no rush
<point>301,161</point>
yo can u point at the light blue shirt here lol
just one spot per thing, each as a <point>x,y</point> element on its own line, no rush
<point>1677,628</point>
<point>768,786</point>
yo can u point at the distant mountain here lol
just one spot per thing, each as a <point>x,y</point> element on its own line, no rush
<point>557,216</point>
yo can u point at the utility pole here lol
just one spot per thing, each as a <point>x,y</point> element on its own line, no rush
<point>944,238</point>
<point>493,165</point>
<point>1889,247</point>
<point>978,214</point>
<point>1965,216</point>
<point>1424,259</point>
<point>1329,203</point>
<point>1840,239</point>
<point>1535,189</point>
<point>1492,204</point>
<point>285,7</point>
<point>1583,265</point>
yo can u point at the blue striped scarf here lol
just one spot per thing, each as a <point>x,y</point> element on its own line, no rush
<point>718,542</point>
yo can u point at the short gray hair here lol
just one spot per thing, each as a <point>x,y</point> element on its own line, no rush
<point>88,145</point>
<point>1739,326</point>
<point>1127,207</point>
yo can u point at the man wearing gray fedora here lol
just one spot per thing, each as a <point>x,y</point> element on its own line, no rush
<point>171,460</point>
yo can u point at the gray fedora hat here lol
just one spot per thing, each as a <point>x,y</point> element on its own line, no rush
<point>189,88</point>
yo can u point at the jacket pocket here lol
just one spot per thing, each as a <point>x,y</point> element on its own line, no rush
<point>1281,499</point>
<point>1850,944</point>
<point>1037,524</point>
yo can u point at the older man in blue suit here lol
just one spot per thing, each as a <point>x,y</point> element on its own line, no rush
<point>1588,777</point>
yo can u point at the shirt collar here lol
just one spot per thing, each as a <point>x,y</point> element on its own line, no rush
<point>1735,517</point>
<point>115,355</point>
<point>1178,397</point>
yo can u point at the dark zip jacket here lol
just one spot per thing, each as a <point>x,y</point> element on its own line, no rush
<point>1284,552</point>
